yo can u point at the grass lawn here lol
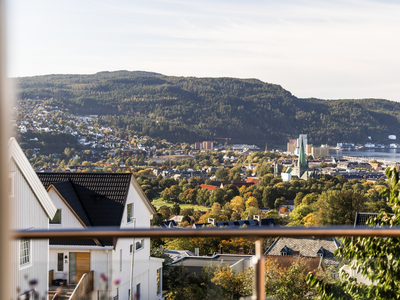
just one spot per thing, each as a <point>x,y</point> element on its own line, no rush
<point>158,202</point>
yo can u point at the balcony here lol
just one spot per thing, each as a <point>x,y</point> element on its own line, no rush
<point>258,263</point>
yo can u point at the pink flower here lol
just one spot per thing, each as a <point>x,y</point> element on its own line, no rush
<point>33,282</point>
<point>103,277</point>
<point>117,281</point>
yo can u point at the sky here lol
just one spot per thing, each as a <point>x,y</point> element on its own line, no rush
<point>323,49</point>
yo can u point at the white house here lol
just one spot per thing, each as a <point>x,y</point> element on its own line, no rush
<point>32,209</point>
<point>103,199</point>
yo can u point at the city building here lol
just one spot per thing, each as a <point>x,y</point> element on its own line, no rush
<point>208,145</point>
<point>320,152</point>
<point>198,145</point>
<point>291,146</point>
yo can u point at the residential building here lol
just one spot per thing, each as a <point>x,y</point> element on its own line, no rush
<point>319,152</point>
<point>257,221</point>
<point>306,247</point>
<point>195,264</point>
<point>198,145</point>
<point>208,145</point>
<point>291,146</point>
<point>120,266</point>
<point>33,209</point>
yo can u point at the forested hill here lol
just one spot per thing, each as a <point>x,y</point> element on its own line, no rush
<point>189,109</point>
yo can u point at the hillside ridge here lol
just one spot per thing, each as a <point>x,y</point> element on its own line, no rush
<point>189,109</point>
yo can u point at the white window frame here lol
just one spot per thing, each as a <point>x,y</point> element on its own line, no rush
<point>28,263</point>
<point>141,242</point>
<point>129,217</point>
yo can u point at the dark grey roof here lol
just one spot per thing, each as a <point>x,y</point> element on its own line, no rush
<point>67,190</point>
<point>361,218</point>
<point>169,223</point>
<point>199,225</point>
<point>268,222</point>
<point>97,198</point>
<point>238,223</point>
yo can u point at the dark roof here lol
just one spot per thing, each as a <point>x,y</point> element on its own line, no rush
<point>79,242</point>
<point>97,198</point>
<point>361,218</point>
<point>200,225</point>
<point>169,223</point>
<point>239,223</point>
<point>268,222</point>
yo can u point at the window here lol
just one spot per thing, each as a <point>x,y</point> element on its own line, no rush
<point>60,262</point>
<point>158,281</point>
<point>140,244</point>
<point>24,252</point>
<point>129,213</point>
<point>138,291</point>
<point>57,217</point>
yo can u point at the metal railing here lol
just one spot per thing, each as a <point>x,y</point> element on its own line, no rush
<point>257,233</point>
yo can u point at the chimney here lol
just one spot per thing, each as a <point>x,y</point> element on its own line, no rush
<point>241,251</point>
<point>221,250</point>
<point>212,221</point>
<point>196,251</point>
<point>258,219</point>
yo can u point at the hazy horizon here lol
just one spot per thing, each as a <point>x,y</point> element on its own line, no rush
<point>326,50</point>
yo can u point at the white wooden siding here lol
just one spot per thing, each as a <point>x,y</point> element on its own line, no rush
<point>68,219</point>
<point>29,214</point>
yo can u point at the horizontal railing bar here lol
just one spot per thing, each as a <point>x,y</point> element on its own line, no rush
<point>116,232</point>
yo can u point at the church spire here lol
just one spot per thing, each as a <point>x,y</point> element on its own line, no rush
<point>302,155</point>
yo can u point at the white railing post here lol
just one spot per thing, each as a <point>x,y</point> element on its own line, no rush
<point>259,272</point>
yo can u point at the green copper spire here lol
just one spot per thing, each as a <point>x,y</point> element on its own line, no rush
<point>302,156</point>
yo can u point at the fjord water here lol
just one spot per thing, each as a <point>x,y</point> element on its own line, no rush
<point>392,155</point>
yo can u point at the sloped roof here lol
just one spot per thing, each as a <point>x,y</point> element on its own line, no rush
<point>361,218</point>
<point>208,187</point>
<point>252,180</point>
<point>99,198</point>
<point>67,191</point>
<point>15,153</point>
<point>307,246</point>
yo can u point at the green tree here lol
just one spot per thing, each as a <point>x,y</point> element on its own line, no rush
<point>339,207</point>
<point>222,174</point>
<point>373,257</point>
<point>176,209</point>
<point>234,285</point>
